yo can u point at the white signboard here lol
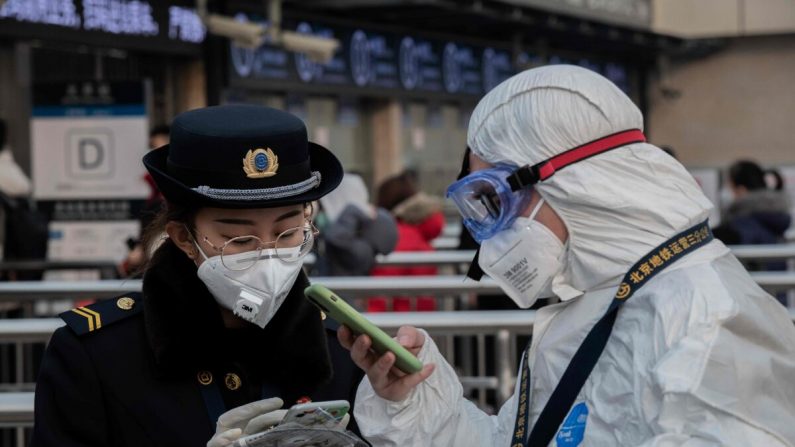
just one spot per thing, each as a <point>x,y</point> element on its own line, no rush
<point>709,180</point>
<point>91,240</point>
<point>88,151</point>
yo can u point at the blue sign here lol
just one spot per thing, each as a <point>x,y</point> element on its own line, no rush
<point>572,431</point>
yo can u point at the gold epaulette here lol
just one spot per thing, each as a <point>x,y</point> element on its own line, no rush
<point>83,320</point>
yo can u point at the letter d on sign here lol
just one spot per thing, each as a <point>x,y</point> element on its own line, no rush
<point>90,153</point>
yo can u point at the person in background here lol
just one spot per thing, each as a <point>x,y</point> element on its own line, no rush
<point>774,180</point>
<point>23,230</point>
<point>758,214</point>
<point>159,136</point>
<point>670,151</point>
<point>419,220</point>
<point>13,181</point>
<point>139,255</point>
<point>354,231</point>
<point>222,335</point>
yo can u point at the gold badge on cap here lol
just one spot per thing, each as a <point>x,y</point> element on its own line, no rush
<point>260,163</point>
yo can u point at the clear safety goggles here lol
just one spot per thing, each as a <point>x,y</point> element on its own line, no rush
<point>487,202</point>
<point>490,200</point>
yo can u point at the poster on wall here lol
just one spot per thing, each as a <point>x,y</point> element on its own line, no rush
<point>87,140</point>
<point>709,180</point>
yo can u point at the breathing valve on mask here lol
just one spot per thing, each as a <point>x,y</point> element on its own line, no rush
<point>247,305</point>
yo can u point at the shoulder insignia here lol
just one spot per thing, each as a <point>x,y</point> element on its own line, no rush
<point>83,320</point>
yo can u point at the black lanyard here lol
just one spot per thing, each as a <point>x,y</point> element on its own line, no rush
<point>588,353</point>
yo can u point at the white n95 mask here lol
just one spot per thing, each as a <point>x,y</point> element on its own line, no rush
<point>524,259</point>
<point>254,294</point>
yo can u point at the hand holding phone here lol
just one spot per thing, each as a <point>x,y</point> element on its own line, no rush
<point>336,308</point>
<point>331,415</point>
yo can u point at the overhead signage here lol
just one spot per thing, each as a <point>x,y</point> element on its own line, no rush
<point>151,25</point>
<point>376,63</point>
<point>87,140</point>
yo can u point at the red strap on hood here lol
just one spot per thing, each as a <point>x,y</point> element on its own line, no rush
<point>530,175</point>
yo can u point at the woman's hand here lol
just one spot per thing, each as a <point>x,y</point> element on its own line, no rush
<point>388,382</point>
<point>246,420</point>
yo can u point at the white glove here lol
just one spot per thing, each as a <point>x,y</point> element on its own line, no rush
<point>344,422</point>
<point>246,420</point>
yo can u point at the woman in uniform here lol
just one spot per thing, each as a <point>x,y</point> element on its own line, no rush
<point>221,336</point>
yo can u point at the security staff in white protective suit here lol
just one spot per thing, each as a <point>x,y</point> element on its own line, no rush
<point>698,354</point>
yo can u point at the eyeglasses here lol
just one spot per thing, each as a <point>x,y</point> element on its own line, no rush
<point>242,252</point>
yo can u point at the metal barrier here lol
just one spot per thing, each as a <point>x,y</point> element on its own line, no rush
<point>349,286</point>
<point>438,258</point>
<point>464,257</point>
<point>456,257</point>
<point>20,291</point>
<point>56,265</point>
<point>16,408</point>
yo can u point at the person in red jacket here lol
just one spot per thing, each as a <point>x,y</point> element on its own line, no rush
<point>419,220</point>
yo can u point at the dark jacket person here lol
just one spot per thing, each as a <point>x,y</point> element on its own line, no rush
<point>222,321</point>
<point>758,215</point>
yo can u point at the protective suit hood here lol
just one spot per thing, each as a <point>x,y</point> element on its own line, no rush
<point>617,205</point>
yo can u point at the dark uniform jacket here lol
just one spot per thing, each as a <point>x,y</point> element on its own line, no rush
<point>130,372</point>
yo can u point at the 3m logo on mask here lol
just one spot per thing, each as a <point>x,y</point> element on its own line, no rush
<point>247,307</point>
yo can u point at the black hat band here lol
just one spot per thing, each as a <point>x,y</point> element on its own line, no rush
<point>277,192</point>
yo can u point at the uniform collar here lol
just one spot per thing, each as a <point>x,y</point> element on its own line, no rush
<point>185,329</point>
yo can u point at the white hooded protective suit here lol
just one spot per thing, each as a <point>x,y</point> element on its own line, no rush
<point>698,356</point>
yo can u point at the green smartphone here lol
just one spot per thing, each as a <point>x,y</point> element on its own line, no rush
<point>336,308</point>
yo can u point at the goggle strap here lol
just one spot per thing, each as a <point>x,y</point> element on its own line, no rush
<point>474,271</point>
<point>530,175</point>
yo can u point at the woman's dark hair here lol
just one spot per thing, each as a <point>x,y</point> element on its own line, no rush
<point>748,174</point>
<point>394,190</point>
<point>154,231</point>
<point>162,129</point>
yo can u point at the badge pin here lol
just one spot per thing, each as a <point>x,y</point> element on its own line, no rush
<point>233,381</point>
<point>125,303</point>
<point>205,377</point>
<point>260,163</point>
